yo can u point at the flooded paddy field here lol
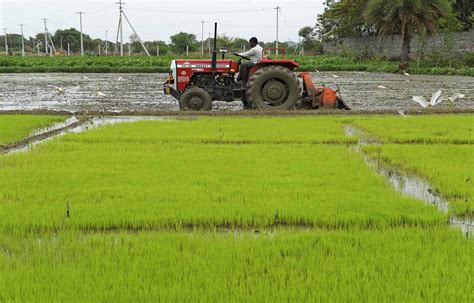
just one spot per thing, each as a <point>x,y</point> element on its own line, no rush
<point>143,92</point>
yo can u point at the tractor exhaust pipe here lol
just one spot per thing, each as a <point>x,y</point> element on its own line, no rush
<point>214,52</point>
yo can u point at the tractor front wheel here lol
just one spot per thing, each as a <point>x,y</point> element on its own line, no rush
<point>273,88</point>
<point>195,99</point>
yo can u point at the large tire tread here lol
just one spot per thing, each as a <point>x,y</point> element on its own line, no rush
<point>258,79</point>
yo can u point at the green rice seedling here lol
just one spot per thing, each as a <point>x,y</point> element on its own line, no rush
<point>235,130</point>
<point>426,129</point>
<point>17,127</point>
<point>449,168</point>
<point>396,265</point>
<point>126,177</point>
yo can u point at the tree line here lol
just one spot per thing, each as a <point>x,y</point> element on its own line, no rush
<point>66,40</point>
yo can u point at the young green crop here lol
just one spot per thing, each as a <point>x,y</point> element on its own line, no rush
<point>119,183</point>
<point>233,130</point>
<point>17,127</point>
<point>396,265</point>
<point>228,210</point>
<point>456,129</point>
<point>449,168</point>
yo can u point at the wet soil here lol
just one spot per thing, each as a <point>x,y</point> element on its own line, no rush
<point>116,93</point>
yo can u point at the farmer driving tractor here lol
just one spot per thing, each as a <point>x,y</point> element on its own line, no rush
<point>254,54</point>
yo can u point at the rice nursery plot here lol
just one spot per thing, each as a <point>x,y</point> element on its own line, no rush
<point>225,210</point>
<point>397,265</point>
<point>113,180</point>
<point>428,129</point>
<point>236,130</point>
<point>17,127</point>
<point>449,168</point>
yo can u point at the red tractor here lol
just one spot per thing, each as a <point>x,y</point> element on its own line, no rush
<point>272,85</point>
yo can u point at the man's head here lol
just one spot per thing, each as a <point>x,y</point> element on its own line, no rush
<point>253,42</point>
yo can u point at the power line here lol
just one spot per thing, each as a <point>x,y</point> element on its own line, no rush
<point>201,12</point>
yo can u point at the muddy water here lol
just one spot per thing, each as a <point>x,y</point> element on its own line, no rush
<point>142,92</point>
<point>409,185</point>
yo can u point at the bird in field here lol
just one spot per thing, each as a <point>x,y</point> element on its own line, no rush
<point>454,97</point>
<point>335,76</point>
<point>120,79</point>
<point>85,77</point>
<point>425,104</point>
<point>406,74</point>
<point>58,89</point>
<point>381,87</point>
<point>402,113</point>
<point>101,94</point>
<point>62,91</point>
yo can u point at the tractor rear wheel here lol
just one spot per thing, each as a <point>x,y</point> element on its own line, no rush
<point>273,88</point>
<point>195,99</point>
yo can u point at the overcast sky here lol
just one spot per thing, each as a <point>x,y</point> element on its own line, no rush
<point>157,20</point>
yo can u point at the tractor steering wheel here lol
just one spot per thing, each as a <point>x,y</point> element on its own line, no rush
<point>239,55</point>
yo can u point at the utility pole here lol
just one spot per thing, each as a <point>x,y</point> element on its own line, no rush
<point>6,41</point>
<point>106,43</point>
<point>68,49</point>
<point>82,42</point>
<point>134,31</point>
<point>278,10</point>
<point>45,36</point>
<point>22,41</point>
<point>209,43</point>
<point>202,38</point>
<point>120,28</point>
<point>61,39</point>
<point>158,50</point>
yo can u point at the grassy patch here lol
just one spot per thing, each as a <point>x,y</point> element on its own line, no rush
<point>112,179</point>
<point>15,127</point>
<point>400,265</point>
<point>455,129</point>
<point>229,210</point>
<point>447,167</point>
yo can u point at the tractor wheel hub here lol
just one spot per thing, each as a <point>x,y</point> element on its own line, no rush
<point>195,103</point>
<point>274,92</point>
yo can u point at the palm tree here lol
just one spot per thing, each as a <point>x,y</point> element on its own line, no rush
<point>406,17</point>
